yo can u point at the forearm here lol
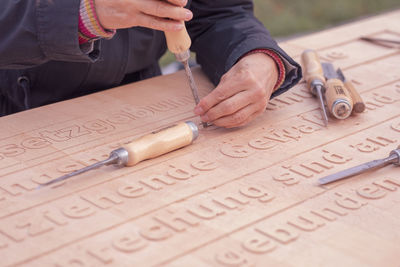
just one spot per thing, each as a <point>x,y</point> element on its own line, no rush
<point>231,32</point>
<point>34,32</point>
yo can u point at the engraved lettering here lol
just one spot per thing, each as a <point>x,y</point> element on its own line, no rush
<point>329,213</point>
<point>369,105</point>
<point>99,126</point>
<point>371,192</point>
<point>177,221</point>
<point>382,141</point>
<point>231,258</point>
<point>103,200</point>
<point>181,174</point>
<point>256,192</point>
<point>316,166</point>
<point>55,217</point>
<point>259,244</point>
<point>307,129</point>
<point>102,254</point>
<point>17,188</point>
<point>302,172</point>
<point>11,150</point>
<point>305,223</point>
<point>230,202</point>
<point>262,144</point>
<point>348,202</point>
<point>385,99</point>
<point>119,118</point>
<point>53,136</point>
<point>388,183</point>
<point>282,234</point>
<point>287,178</point>
<point>335,158</point>
<point>236,151</point>
<point>132,191</point>
<point>78,210</point>
<point>155,232</point>
<point>72,132</point>
<point>155,182</point>
<point>204,165</point>
<point>35,143</point>
<point>206,212</point>
<point>129,243</point>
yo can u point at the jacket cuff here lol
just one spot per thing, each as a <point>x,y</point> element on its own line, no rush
<point>293,72</point>
<point>90,28</point>
<point>58,30</point>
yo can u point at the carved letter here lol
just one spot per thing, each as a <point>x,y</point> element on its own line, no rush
<point>371,192</point>
<point>129,243</point>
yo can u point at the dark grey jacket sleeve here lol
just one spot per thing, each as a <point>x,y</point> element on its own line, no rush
<point>224,30</point>
<point>33,32</point>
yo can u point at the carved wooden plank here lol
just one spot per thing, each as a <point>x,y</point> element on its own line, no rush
<point>242,197</point>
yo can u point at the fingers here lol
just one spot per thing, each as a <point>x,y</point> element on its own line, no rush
<point>157,23</point>
<point>218,95</point>
<point>164,10</point>
<point>181,3</point>
<point>240,118</point>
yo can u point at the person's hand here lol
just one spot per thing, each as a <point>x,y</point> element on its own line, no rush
<point>242,94</point>
<point>163,15</point>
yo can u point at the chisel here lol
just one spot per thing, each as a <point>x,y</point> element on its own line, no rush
<point>358,103</point>
<point>314,76</point>
<point>179,43</point>
<point>146,147</point>
<point>394,158</point>
<point>338,98</point>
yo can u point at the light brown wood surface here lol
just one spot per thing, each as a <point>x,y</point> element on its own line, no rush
<point>242,197</point>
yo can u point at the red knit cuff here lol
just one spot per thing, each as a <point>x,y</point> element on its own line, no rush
<point>278,62</point>
<point>89,25</point>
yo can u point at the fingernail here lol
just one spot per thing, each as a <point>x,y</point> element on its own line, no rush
<point>205,118</point>
<point>188,15</point>
<point>198,111</point>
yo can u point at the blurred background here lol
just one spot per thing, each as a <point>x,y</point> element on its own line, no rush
<point>290,18</point>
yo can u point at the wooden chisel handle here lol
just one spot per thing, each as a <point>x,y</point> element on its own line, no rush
<point>358,103</point>
<point>178,42</point>
<point>160,142</point>
<point>312,69</point>
<point>338,99</point>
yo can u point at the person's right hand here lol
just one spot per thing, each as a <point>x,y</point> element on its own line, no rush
<point>163,15</point>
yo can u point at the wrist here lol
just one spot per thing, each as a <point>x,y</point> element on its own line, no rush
<point>89,24</point>
<point>278,62</point>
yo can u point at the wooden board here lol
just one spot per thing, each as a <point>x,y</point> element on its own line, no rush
<point>241,197</point>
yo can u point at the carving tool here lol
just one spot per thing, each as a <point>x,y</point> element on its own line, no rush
<point>146,147</point>
<point>179,43</point>
<point>338,98</point>
<point>358,103</point>
<point>394,158</point>
<point>381,41</point>
<point>313,74</point>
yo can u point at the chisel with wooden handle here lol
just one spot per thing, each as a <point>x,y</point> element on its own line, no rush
<point>146,147</point>
<point>358,103</point>
<point>313,74</point>
<point>338,98</point>
<point>178,43</point>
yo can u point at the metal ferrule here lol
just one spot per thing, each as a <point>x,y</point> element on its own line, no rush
<point>122,156</point>
<point>341,109</point>
<point>182,57</point>
<point>194,128</point>
<point>317,83</point>
<point>397,153</point>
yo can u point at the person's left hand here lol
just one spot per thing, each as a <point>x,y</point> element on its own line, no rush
<point>242,94</point>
